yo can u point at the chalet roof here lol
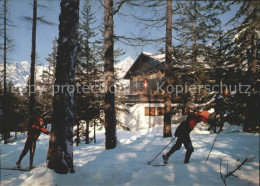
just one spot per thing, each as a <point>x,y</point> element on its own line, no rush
<point>153,64</point>
<point>158,57</point>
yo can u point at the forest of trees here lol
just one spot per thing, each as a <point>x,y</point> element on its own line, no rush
<point>84,54</point>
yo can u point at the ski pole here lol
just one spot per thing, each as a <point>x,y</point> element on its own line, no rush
<point>149,162</point>
<point>213,145</point>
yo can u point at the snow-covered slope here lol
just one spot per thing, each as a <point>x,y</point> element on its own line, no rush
<point>127,163</point>
<point>120,71</point>
<point>123,66</point>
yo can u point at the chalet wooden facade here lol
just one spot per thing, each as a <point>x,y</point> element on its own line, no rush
<point>145,73</point>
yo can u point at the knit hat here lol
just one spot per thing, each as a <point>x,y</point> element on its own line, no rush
<point>39,119</point>
<point>204,114</point>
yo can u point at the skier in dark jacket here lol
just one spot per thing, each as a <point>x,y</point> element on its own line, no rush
<point>183,134</point>
<point>30,144</point>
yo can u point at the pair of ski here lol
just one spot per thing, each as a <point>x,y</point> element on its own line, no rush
<point>15,168</point>
<point>158,165</point>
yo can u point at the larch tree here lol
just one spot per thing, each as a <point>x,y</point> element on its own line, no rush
<point>5,46</point>
<point>60,154</point>
<point>32,70</point>
<point>109,107</point>
<point>34,20</point>
<point>168,64</point>
<point>157,20</point>
<point>5,127</point>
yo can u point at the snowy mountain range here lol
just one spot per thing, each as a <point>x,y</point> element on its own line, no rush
<point>19,72</point>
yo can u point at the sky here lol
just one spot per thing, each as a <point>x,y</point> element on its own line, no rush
<point>21,33</point>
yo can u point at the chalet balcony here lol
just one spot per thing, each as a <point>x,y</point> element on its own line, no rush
<point>144,98</point>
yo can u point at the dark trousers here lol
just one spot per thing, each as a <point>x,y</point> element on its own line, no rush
<point>186,141</point>
<point>30,144</point>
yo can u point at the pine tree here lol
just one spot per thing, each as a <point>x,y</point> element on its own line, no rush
<point>51,59</point>
<point>14,109</point>
<point>60,154</point>
<point>243,51</point>
<point>88,62</point>
<point>197,26</point>
<point>45,96</point>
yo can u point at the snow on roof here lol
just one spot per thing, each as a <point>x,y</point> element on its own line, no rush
<point>158,57</point>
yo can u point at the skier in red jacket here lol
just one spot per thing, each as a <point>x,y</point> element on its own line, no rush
<point>183,134</point>
<point>30,144</point>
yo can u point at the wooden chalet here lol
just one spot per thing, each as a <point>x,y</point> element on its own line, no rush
<point>146,101</point>
<point>146,96</point>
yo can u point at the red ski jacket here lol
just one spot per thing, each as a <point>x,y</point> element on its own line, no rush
<point>35,131</point>
<point>192,120</point>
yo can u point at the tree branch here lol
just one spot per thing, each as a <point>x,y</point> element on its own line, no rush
<point>222,177</point>
<point>119,5</point>
<point>231,173</point>
<point>239,166</point>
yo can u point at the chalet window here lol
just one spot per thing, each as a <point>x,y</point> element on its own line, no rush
<point>160,111</point>
<point>154,91</point>
<point>152,76</point>
<point>138,78</point>
<point>146,111</point>
<point>149,111</point>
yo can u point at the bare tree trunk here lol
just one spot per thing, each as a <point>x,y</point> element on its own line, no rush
<point>251,106</point>
<point>168,60</point>
<point>94,130</point>
<point>194,37</point>
<point>87,57</point>
<point>110,116</point>
<point>60,155</point>
<point>87,132</point>
<point>78,137</point>
<point>33,56</point>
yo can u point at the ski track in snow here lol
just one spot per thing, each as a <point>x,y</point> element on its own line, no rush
<point>127,163</point>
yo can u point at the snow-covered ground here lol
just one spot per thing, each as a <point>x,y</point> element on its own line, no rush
<point>127,163</point>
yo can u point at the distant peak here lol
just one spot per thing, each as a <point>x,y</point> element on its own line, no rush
<point>129,58</point>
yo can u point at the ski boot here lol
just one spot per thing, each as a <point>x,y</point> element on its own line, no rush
<point>18,165</point>
<point>165,159</point>
<point>187,157</point>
